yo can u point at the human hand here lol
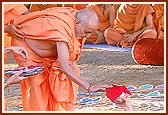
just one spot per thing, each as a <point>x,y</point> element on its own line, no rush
<point>20,50</point>
<point>14,79</point>
<point>129,37</point>
<point>124,102</point>
<point>100,37</point>
<point>13,30</point>
<point>98,87</point>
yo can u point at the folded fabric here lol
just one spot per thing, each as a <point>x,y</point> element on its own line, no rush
<point>114,92</point>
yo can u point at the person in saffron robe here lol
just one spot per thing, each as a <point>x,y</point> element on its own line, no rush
<point>158,19</point>
<point>133,22</point>
<point>106,15</point>
<point>54,39</point>
<point>11,12</point>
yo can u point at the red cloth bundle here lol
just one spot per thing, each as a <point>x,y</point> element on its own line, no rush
<point>114,92</point>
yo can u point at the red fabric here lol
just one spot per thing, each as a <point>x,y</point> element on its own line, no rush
<point>149,51</point>
<point>114,92</point>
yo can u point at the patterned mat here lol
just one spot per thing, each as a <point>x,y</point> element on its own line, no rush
<point>144,98</point>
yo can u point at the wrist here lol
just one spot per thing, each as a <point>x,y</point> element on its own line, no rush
<point>7,49</point>
<point>88,89</point>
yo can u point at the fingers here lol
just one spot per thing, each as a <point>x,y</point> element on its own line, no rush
<point>13,77</point>
<point>100,87</point>
<point>125,97</point>
<point>20,50</point>
<point>24,54</point>
<point>103,87</point>
<point>106,86</point>
<point>19,36</point>
<point>18,73</point>
<point>17,33</point>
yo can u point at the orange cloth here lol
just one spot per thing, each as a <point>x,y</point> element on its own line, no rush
<point>7,43</point>
<point>130,18</point>
<point>11,11</point>
<point>52,89</point>
<point>116,6</point>
<point>104,23</point>
<point>79,6</point>
<point>158,19</point>
<point>39,7</point>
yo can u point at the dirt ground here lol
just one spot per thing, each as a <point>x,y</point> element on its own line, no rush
<point>100,66</point>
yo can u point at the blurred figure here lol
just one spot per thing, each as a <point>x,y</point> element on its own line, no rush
<point>133,22</point>
<point>158,19</point>
<point>106,15</point>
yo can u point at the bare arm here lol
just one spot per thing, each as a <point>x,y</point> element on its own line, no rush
<point>126,104</point>
<point>14,79</point>
<point>149,24</point>
<point>111,15</point>
<point>63,56</point>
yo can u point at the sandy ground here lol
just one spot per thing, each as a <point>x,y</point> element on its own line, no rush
<point>99,66</point>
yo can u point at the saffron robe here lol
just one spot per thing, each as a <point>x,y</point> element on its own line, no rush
<point>51,90</point>
<point>158,19</point>
<point>11,11</point>
<point>129,19</point>
<point>104,24</point>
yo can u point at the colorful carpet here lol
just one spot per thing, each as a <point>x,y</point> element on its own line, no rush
<point>144,98</point>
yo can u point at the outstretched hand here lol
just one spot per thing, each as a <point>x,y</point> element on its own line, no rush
<point>20,50</point>
<point>14,79</point>
<point>98,87</point>
<point>126,104</point>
